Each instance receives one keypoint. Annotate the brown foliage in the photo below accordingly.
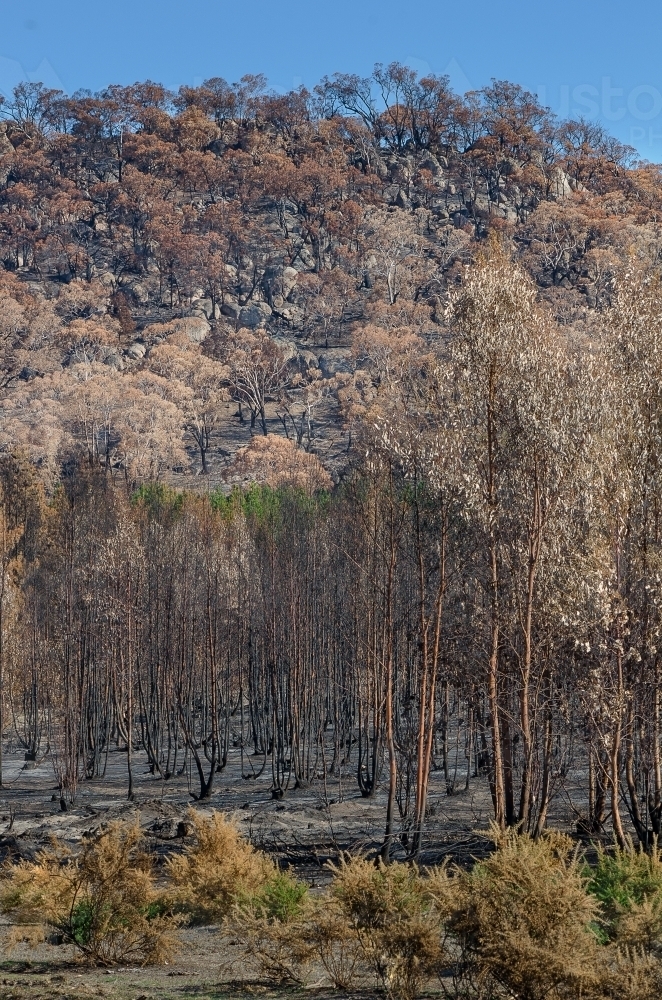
(526, 918)
(397, 918)
(275, 461)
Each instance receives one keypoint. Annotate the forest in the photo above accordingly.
(331, 444)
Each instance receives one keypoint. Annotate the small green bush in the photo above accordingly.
(274, 921)
(627, 883)
(158, 499)
(282, 899)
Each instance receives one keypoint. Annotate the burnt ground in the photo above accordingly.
(303, 831)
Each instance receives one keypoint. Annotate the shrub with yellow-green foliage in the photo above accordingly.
(398, 916)
(217, 871)
(525, 920)
(627, 882)
(375, 923)
(275, 924)
(102, 900)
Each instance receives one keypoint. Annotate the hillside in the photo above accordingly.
(183, 271)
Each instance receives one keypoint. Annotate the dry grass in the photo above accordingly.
(629, 974)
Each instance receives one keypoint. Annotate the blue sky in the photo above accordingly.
(599, 58)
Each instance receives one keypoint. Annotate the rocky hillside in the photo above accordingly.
(184, 272)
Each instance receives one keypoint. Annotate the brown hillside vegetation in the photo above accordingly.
(183, 270)
(483, 585)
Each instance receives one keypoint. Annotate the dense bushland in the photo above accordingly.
(529, 921)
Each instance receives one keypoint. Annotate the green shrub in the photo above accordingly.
(158, 498)
(628, 886)
(274, 922)
(267, 504)
(282, 899)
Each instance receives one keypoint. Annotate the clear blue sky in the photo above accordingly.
(602, 58)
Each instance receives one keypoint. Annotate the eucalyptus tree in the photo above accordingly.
(633, 511)
(10, 598)
(518, 403)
